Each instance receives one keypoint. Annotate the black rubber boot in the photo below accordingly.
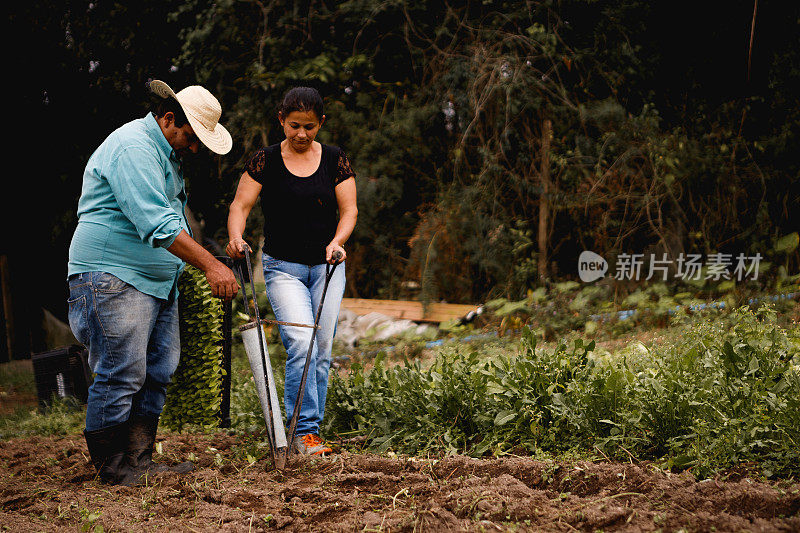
(141, 442)
(107, 448)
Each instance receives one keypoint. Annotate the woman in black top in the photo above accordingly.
(309, 204)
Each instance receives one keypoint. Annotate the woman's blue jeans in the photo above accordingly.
(294, 291)
(134, 346)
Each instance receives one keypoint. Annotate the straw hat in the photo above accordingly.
(203, 112)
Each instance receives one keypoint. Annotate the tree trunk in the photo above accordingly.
(544, 201)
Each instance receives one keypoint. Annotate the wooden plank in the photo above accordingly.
(407, 309)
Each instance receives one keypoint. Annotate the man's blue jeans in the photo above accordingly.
(294, 291)
(134, 346)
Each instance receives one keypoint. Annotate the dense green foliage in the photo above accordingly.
(442, 108)
(640, 126)
(725, 393)
(194, 396)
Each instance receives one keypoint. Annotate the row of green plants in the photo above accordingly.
(724, 393)
(612, 309)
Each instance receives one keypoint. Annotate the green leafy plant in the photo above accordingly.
(725, 393)
(194, 396)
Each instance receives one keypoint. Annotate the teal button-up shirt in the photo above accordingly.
(132, 207)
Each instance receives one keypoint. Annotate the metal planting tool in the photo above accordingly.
(257, 353)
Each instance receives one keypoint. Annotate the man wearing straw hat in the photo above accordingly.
(126, 255)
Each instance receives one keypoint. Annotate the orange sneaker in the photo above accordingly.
(310, 444)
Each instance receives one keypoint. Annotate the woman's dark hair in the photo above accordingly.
(166, 105)
(305, 99)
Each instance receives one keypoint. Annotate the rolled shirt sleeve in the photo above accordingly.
(140, 189)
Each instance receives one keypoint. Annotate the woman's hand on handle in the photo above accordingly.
(331, 255)
(236, 248)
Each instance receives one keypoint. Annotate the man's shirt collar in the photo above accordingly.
(154, 131)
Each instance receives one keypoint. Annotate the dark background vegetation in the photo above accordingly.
(674, 128)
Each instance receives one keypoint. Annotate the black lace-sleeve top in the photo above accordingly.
(300, 213)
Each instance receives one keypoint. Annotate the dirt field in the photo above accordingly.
(47, 484)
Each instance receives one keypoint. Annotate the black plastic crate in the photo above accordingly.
(61, 373)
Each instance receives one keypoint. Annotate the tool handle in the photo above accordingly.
(270, 428)
(298, 403)
(238, 270)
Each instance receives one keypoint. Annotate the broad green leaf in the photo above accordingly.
(503, 417)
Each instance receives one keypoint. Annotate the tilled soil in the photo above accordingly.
(47, 484)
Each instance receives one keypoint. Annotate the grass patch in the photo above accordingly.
(16, 377)
(62, 417)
